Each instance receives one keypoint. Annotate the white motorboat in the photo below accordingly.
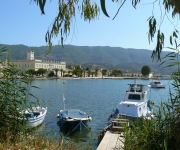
(35, 116)
(156, 84)
(135, 104)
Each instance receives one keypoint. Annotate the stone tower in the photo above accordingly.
(30, 55)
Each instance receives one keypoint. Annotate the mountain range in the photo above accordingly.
(125, 59)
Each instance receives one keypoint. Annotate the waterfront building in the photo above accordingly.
(32, 63)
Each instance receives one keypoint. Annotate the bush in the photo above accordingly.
(51, 74)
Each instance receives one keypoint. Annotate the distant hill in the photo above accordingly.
(94, 56)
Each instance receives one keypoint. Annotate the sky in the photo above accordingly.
(21, 22)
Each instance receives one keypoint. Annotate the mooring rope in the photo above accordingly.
(80, 129)
(85, 126)
(73, 129)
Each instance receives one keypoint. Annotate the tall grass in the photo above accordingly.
(14, 97)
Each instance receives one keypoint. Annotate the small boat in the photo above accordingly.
(35, 116)
(156, 84)
(72, 116)
(76, 77)
(134, 105)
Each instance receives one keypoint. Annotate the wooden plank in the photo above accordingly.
(105, 141)
(112, 142)
(109, 141)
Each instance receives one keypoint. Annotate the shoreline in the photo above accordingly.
(117, 78)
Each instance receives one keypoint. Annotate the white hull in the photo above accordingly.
(135, 104)
(37, 120)
(156, 84)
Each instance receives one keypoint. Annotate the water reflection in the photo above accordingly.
(77, 133)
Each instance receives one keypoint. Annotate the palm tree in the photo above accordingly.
(56, 71)
(64, 72)
(69, 72)
(61, 71)
(104, 71)
(96, 72)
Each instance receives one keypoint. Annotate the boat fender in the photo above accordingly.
(58, 115)
(89, 118)
(152, 102)
(143, 95)
(116, 111)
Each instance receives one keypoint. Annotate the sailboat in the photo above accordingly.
(72, 116)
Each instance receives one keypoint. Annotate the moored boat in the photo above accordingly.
(35, 116)
(72, 116)
(135, 104)
(156, 84)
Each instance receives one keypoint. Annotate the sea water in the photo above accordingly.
(97, 97)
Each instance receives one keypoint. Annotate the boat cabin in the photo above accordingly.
(135, 101)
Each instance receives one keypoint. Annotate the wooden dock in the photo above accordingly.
(111, 138)
(111, 141)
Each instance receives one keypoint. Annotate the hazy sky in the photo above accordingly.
(21, 22)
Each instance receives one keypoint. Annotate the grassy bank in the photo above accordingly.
(41, 143)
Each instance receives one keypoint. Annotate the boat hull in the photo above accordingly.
(73, 117)
(37, 120)
(133, 120)
(77, 123)
(157, 86)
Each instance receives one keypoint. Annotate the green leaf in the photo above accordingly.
(103, 7)
(171, 40)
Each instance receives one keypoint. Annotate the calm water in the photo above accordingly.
(97, 97)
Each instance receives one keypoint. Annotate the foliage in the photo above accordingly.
(42, 142)
(145, 70)
(41, 71)
(89, 10)
(116, 73)
(51, 74)
(112, 57)
(162, 131)
(104, 71)
(67, 11)
(56, 72)
(14, 97)
(96, 72)
(62, 72)
(77, 71)
(31, 72)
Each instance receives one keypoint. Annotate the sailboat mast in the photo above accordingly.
(64, 101)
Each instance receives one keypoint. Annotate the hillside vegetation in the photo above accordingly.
(97, 56)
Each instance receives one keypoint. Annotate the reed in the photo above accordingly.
(162, 131)
(14, 97)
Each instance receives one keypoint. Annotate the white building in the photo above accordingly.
(35, 64)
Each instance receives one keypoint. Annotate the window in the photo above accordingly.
(134, 96)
